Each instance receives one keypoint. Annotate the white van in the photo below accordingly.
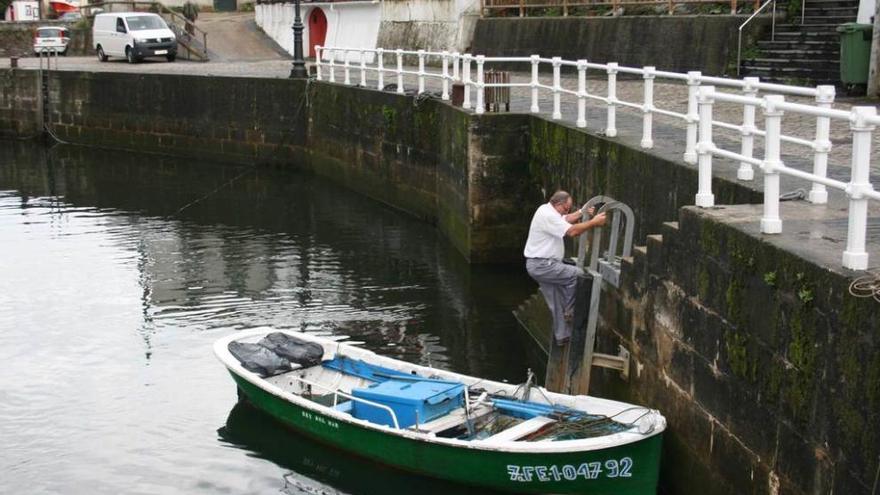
(133, 35)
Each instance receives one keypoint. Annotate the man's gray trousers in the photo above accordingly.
(558, 282)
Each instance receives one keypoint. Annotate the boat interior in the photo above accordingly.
(439, 403)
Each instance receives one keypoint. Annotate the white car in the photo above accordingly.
(133, 35)
(51, 40)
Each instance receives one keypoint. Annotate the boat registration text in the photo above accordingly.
(320, 419)
(612, 468)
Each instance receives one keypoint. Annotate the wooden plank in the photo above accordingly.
(455, 418)
(557, 367)
(521, 430)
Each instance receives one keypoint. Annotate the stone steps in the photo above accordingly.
(849, 12)
(807, 36)
(831, 4)
(802, 45)
(807, 52)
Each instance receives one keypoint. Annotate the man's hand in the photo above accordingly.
(579, 228)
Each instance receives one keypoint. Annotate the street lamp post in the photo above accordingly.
(298, 71)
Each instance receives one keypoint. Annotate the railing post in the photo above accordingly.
(822, 145)
(648, 108)
(693, 83)
(332, 65)
(445, 93)
(535, 61)
(400, 70)
(380, 68)
(855, 257)
(421, 54)
(346, 66)
(611, 125)
(363, 68)
(582, 93)
(481, 89)
(466, 79)
(770, 222)
(557, 85)
(747, 134)
(705, 99)
(456, 59)
(318, 49)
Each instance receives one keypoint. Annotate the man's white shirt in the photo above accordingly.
(546, 234)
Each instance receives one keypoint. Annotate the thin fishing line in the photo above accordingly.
(206, 196)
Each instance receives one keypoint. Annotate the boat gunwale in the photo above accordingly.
(512, 446)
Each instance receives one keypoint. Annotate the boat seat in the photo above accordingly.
(456, 417)
(521, 430)
(345, 407)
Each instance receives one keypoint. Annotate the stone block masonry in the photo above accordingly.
(767, 369)
(19, 103)
(231, 119)
(675, 43)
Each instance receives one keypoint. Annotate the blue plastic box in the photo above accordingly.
(427, 399)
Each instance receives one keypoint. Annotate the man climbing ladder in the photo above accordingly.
(544, 252)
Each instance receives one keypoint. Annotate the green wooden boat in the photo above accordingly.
(515, 438)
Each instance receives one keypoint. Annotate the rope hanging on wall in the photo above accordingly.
(867, 285)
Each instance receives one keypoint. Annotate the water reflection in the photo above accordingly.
(113, 293)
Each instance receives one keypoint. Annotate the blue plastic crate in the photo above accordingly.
(410, 400)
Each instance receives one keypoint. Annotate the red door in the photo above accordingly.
(317, 29)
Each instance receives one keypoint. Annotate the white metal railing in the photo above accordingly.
(361, 56)
(463, 65)
(862, 121)
(336, 393)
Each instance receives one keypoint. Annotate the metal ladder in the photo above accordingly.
(569, 365)
(46, 56)
(602, 267)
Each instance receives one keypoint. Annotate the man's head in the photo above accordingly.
(561, 201)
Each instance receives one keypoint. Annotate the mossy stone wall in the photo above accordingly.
(677, 43)
(19, 103)
(230, 119)
(767, 369)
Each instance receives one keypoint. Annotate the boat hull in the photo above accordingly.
(630, 469)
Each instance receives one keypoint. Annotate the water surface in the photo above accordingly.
(119, 270)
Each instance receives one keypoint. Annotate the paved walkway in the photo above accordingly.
(235, 37)
(825, 224)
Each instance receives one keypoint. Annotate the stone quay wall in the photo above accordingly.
(674, 43)
(19, 103)
(765, 367)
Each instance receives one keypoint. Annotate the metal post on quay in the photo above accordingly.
(298, 70)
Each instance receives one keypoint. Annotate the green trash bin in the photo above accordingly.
(855, 52)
